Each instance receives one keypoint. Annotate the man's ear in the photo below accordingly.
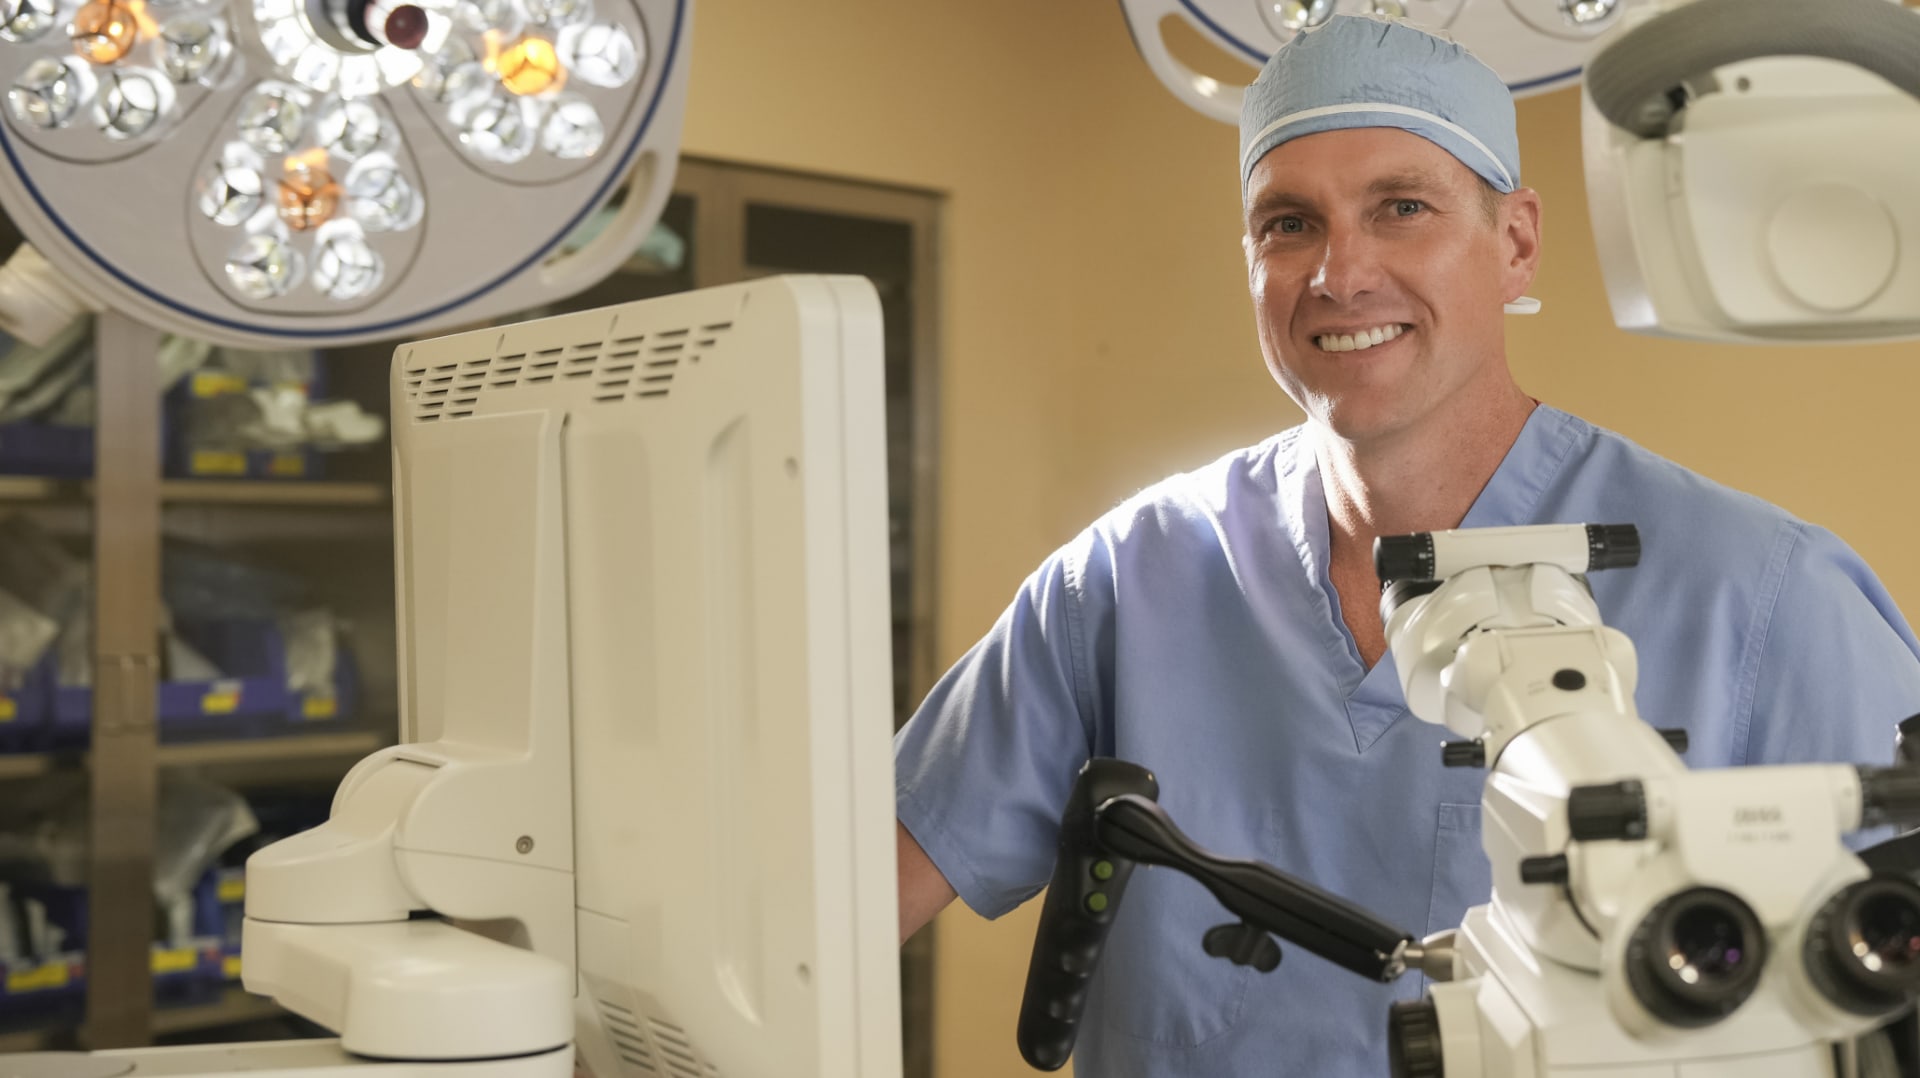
(1520, 231)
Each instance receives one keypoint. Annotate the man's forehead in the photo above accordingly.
(1355, 159)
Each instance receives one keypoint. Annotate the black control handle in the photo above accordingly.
(1082, 898)
(1260, 895)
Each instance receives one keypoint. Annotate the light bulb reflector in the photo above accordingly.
(453, 74)
(273, 117)
(284, 39)
(308, 193)
(559, 13)
(264, 266)
(191, 49)
(603, 54)
(573, 130)
(1587, 14)
(129, 102)
(349, 129)
(530, 67)
(317, 67)
(476, 17)
(46, 95)
(380, 197)
(230, 194)
(1292, 16)
(345, 266)
(498, 128)
(103, 31)
(26, 20)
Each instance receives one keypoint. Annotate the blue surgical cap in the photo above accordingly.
(1359, 71)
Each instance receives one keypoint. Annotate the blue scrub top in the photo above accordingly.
(1194, 630)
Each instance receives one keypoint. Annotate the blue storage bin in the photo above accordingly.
(190, 462)
(253, 703)
(25, 713)
(29, 447)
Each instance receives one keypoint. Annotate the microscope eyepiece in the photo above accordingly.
(1696, 957)
(1863, 947)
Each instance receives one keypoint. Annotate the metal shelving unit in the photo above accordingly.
(726, 223)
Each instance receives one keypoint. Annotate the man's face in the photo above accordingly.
(1377, 235)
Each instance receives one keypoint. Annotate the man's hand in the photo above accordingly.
(924, 892)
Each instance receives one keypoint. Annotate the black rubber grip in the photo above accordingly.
(1403, 557)
(1889, 795)
(1612, 546)
(1082, 898)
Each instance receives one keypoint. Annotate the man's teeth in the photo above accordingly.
(1354, 342)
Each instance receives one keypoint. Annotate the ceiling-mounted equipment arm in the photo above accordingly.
(1632, 79)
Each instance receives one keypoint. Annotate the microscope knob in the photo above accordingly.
(1413, 1040)
(1551, 868)
(1615, 810)
(1463, 754)
(1906, 741)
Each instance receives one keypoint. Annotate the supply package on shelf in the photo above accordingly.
(226, 413)
(43, 933)
(260, 415)
(244, 652)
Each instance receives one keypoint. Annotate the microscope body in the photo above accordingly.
(1646, 920)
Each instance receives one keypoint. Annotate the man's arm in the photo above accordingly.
(924, 892)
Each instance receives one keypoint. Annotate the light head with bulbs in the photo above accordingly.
(259, 171)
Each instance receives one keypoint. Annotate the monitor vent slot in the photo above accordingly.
(675, 1051)
(613, 371)
(629, 1042)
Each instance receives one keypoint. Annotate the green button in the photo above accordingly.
(1103, 870)
(1097, 902)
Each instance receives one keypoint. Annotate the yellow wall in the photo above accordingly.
(1096, 332)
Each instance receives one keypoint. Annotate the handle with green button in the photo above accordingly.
(1081, 901)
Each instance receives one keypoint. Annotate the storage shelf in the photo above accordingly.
(16, 488)
(234, 1006)
(215, 753)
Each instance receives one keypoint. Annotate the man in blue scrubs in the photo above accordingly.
(1221, 628)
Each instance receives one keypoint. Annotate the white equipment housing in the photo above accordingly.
(1581, 974)
(1773, 203)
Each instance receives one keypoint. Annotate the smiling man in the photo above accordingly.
(1221, 628)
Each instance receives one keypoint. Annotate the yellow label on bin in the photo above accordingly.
(287, 464)
(175, 959)
(8, 709)
(217, 462)
(222, 699)
(319, 707)
(233, 889)
(217, 384)
(39, 978)
(230, 967)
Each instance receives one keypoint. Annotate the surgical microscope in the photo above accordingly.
(1645, 919)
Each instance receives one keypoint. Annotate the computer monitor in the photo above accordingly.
(642, 561)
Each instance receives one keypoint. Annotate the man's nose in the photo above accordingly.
(1350, 266)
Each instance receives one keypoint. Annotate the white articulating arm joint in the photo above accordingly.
(474, 826)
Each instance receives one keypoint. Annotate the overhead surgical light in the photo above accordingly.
(249, 171)
(1534, 45)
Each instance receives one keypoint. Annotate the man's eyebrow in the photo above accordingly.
(1413, 180)
(1418, 181)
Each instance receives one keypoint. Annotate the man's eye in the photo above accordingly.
(1407, 207)
(1289, 224)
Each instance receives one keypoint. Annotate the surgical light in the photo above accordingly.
(309, 142)
(1534, 45)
